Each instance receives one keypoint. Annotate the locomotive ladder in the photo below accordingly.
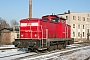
(42, 39)
(46, 36)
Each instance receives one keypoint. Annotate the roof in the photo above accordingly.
(63, 18)
(10, 29)
(29, 19)
(51, 15)
(72, 12)
(55, 16)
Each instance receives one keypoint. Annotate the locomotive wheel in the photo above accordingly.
(55, 47)
(51, 48)
(59, 47)
(64, 46)
(36, 50)
(17, 44)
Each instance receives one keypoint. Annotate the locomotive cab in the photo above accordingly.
(52, 18)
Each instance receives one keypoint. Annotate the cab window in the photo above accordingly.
(45, 18)
(54, 19)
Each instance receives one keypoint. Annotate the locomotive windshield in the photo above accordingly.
(54, 19)
(45, 18)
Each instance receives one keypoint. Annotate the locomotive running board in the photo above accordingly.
(42, 48)
(60, 39)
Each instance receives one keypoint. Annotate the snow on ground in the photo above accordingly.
(7, 51)
(81, 54)
(4, 49)
(79, 41)
(13, 54)
(73, 45)
(16, 56)
(7, 46)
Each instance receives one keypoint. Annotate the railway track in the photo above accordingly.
(32, 55)
(49, 55)
(75, 48)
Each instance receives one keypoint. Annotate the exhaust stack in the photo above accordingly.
(30, 8)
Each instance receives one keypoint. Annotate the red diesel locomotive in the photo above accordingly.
(48, 33)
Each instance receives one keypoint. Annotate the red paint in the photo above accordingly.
(44, 28)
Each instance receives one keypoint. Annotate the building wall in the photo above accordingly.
(0, 37)
(13, 36)
(7, 36)
(79, 19)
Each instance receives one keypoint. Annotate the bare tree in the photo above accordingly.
(14, 23)
(3, 24)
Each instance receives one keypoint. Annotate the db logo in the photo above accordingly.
(29, 24)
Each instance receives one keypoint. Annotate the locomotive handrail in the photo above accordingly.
(46, 36)
(42, 37)
(67, 31)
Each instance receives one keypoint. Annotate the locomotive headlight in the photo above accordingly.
(22, 35)
(35, 35)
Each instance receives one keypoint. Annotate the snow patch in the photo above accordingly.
(81, 54)
(7, 46)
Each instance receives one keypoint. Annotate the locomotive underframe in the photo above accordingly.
(43, 44)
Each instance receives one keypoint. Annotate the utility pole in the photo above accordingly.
(30, 8)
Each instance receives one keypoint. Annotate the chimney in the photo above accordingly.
(30, 8)
(68, 11)
(65, 13)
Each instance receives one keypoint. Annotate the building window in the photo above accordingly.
(74, 17)
(87, 30)
(17, 35)
(78, 26)
(78, 34)
(88, 20)
(83, 34)
(73, 25)
(87, 15)
(73, 34)
(79, 18)
(83, 18)
(83, 26)
(67, 17)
